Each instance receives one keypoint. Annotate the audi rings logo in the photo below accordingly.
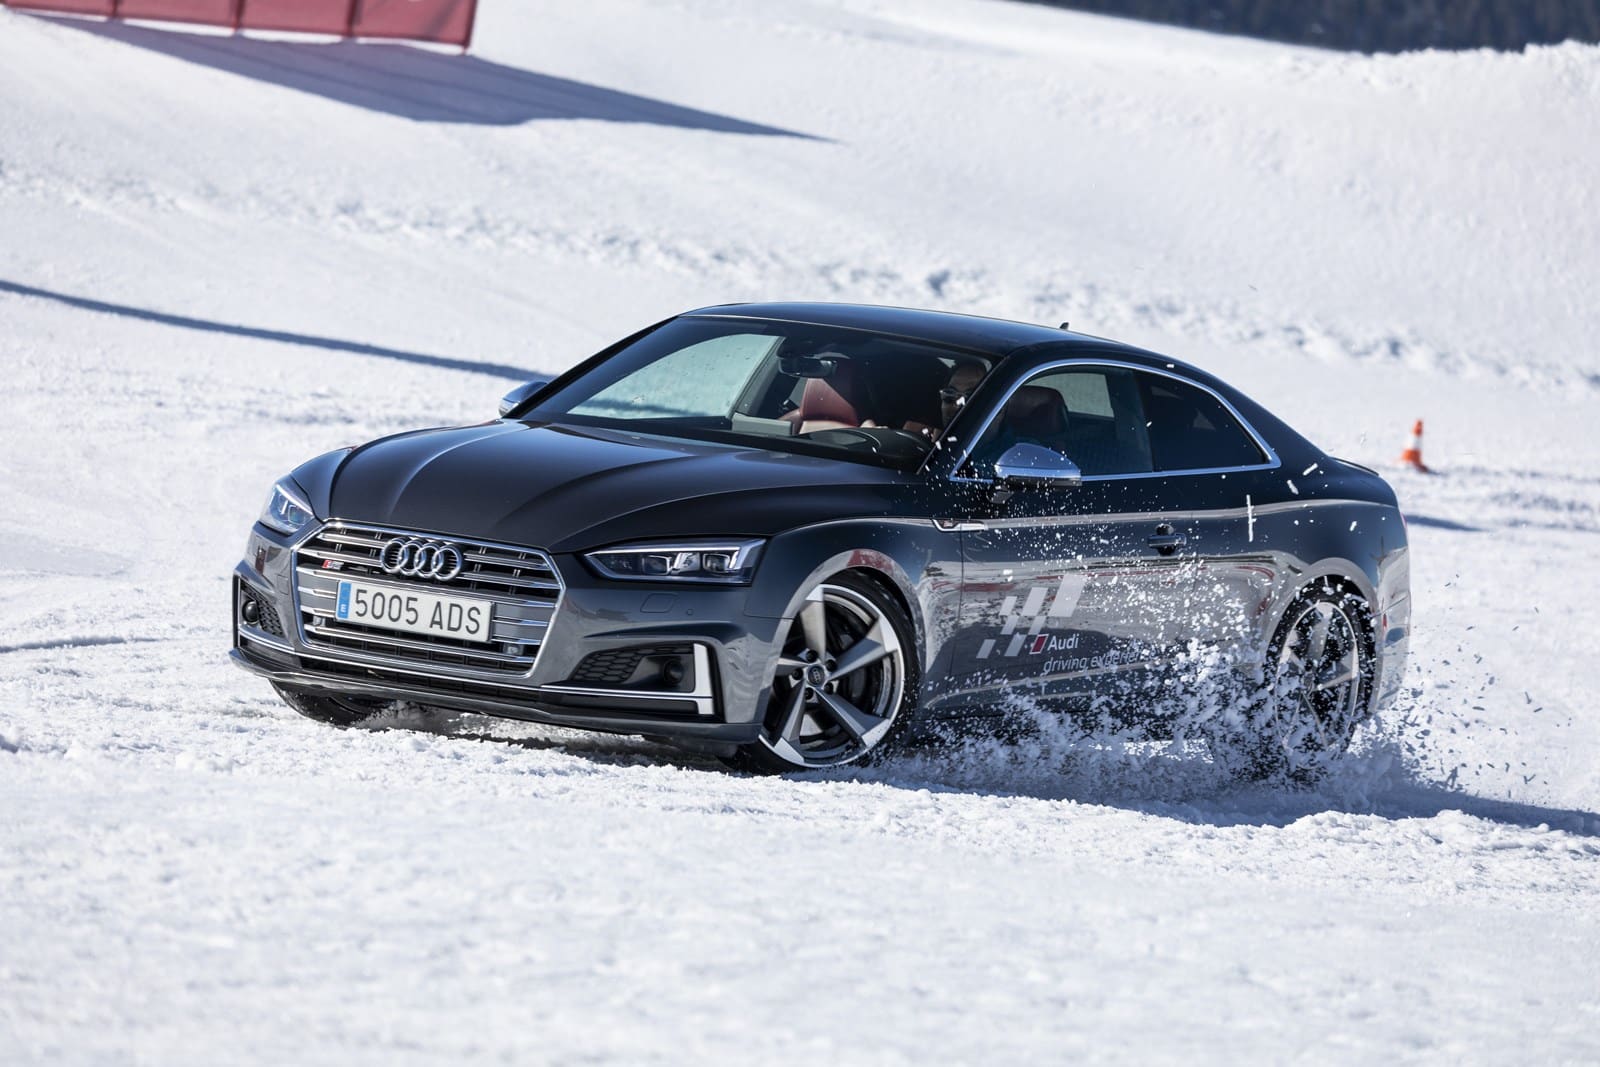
(421, 559)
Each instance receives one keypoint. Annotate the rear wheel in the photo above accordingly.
(332, 709)
(844, 683)
(1319, 673)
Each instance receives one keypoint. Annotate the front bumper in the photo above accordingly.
(731, 654)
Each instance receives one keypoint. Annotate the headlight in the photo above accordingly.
(724, 562)
(286, 510)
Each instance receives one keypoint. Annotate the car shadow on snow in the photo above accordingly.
(1180, 782)
(1154, 778)
(417, 83)
(1414, 519)
(598, 748)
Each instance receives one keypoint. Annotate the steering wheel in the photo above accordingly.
(862, 435)
(911, 435)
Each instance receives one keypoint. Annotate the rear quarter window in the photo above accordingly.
(1190, 429)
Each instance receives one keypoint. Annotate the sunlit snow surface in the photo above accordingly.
(215, 262)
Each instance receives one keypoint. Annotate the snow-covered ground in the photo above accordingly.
(218, 257)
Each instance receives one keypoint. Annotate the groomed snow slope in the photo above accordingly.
(218, 257)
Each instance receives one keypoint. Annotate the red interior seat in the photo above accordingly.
(832, 403)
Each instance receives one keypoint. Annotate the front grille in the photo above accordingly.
(521, 583)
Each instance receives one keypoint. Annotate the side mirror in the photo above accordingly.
(1026, 464)
(522, 393)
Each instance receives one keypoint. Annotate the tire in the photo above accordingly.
(1316, 688)
(845, 684)
(341, 711)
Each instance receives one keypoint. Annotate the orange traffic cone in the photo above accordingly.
(1412, 456)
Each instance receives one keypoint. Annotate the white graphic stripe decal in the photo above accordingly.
(1034, 611)
(1067, 594)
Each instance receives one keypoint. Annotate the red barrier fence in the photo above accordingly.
(444, 21)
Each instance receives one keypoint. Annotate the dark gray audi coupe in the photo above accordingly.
(791, 534)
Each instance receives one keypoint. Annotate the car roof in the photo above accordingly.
(974, 332)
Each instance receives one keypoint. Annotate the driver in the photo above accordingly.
(957, 391)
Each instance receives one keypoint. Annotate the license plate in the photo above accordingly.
(414, 612)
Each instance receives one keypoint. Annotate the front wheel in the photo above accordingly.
(1319, 675)
(844, 684)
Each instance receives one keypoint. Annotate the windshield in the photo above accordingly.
(779, 385)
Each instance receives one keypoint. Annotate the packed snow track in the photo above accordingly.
(216, 260)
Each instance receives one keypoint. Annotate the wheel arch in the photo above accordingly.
(1336, 570)
(1339, 574)
(901, 558)
(883, 572)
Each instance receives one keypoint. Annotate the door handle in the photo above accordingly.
(1165, 541)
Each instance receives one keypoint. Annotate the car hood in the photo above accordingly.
(567, 488)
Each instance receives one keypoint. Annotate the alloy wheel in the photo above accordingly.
(1319, 683)
(838, 683)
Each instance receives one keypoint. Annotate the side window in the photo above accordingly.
(1093, 416)
(1191, 430)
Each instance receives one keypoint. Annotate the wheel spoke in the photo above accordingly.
(791, 663)
(1329, 683)
(814, 624)
(861, 654)
(862, 726)
(1318, 641)
(793, 716)
(782, 747)
(876, 643)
